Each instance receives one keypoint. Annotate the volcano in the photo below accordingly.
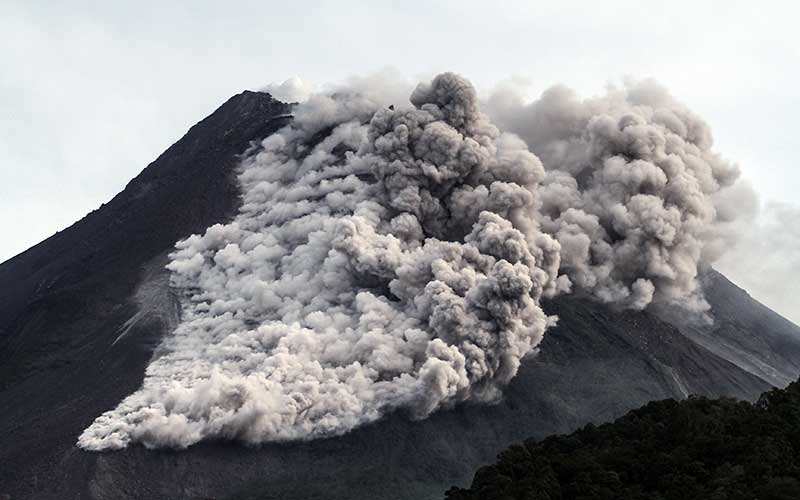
(84, 312)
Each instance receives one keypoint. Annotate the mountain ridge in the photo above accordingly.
(86, 309)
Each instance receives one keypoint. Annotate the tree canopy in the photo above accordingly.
(696, 449)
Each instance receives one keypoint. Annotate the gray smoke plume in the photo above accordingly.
(630, 189)
(392, 264)
(393, 259)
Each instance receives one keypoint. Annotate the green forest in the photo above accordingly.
(696, 449)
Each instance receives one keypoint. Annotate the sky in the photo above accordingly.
(91, 92)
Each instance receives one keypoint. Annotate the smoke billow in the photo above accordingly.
(291, 90)
(630, 189)
(382, 260)
(393, 258)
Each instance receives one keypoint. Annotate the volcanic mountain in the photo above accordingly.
(84, 312)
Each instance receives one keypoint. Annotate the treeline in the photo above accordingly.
(696, 449)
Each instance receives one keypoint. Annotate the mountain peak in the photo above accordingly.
(85, 310)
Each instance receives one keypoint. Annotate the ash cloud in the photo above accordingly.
(291, 90)
(393, 259)
(631, 189)
(353, 281)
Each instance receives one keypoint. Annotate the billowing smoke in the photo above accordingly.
(291, 90)
(392, 258)
(382, 260)
(630, 189)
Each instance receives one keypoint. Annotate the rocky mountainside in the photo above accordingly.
(83, 312)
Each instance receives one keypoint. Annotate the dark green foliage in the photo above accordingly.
(697, 449)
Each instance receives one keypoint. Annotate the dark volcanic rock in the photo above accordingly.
(65, 301)
(748, 333)
(82, 312)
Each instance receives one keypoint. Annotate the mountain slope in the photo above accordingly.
(82, 313)
(748, 333)
(66, 300)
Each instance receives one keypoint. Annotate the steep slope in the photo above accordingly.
(65, 302)
(82, 313)
(748, 333)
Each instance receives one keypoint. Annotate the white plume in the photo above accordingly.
(391, 265)
(630, 189)
(392, 259)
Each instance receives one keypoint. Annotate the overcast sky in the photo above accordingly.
(91, 92)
